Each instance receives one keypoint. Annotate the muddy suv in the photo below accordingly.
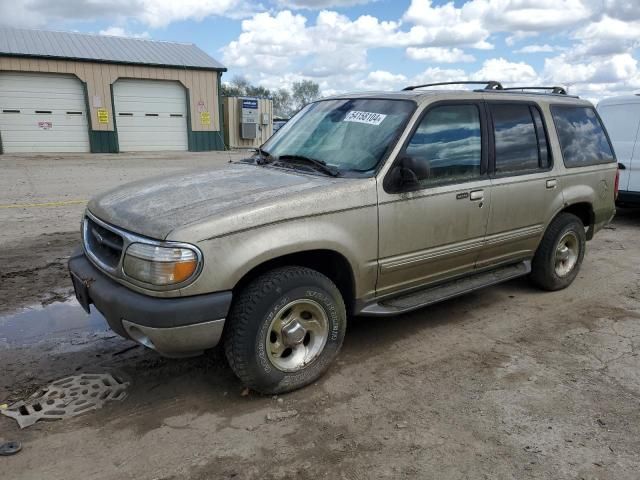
(369, 204)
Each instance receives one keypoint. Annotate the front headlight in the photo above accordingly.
(160, 265)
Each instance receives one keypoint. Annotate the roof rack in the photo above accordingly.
(556, 90)
(489, 85)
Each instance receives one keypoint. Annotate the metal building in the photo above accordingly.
(72, 92)
(248, 121)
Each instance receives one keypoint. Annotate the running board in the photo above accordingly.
(444, 291)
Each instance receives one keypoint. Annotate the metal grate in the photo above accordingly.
(103, 244)
(249, 130)
(68, 397)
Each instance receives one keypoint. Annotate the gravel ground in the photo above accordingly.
(507, 382)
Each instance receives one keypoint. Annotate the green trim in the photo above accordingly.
(103, 141)
(189, 129)
(100, 141)
(115, 124)
(88, 109)
(220, 113)
(205, 141)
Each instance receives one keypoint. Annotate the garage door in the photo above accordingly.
(42, 113)
(151, 115)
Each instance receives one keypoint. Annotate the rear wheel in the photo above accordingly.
(559, 256)
(284, 329)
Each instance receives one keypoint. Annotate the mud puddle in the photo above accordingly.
(57, 320)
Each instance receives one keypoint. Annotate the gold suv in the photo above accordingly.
(364, 204)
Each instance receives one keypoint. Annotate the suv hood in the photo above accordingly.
(157, 206)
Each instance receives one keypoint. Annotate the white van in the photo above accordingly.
(621, 116)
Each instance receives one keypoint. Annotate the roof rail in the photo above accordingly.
(489, 84)
(557, 90)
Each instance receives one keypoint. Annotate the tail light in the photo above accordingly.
(616, 184)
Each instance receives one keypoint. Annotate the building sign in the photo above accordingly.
(251, 103)
(103, 115)
(205, 118)
(249, 113)
(45, 125)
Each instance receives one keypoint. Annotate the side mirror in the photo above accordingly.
(408, 172)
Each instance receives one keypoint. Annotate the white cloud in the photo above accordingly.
(536, 49)
(159, 13)
(437, 74)
(497, 69)
(617, 68)
(622, 9)
(505, 71)
(318, 4)
(154, 13)
(382, 80)
(262, 46)
(439, 55)
(591, 45)
(443, 25)
(121, 32)
(511, 16)
(528, 15)
(608, 36)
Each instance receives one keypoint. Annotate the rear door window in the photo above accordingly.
(520, 139)
(582, 138)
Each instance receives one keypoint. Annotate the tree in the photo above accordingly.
(282, 103)
(303, 92)
(237, 87)
(285, 102)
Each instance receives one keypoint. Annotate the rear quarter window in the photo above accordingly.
(583, 140)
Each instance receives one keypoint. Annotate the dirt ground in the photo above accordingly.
(503, 383)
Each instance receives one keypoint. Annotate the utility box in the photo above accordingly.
(249, 118)
(248, 121)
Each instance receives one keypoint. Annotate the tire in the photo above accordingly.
(270, 315)
(552, 267)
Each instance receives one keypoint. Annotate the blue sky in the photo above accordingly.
(589, 45)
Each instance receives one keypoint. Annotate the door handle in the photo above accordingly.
(552, 183)
(476, 195)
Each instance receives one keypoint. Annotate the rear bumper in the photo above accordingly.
(626, 197)
(174, 327)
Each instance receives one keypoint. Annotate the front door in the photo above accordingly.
(433, 228)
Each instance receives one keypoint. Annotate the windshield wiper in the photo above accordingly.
(260, 157)
(318, 164)
(264, 157)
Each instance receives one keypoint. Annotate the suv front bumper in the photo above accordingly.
(174, 327)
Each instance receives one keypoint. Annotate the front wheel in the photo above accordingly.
(284, 329)
(559, 256)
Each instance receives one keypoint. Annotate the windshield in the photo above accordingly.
(351, 134)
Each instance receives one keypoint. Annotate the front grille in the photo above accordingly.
(103, 244)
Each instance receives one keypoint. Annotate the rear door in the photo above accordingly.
(622, 122)
(524, 191)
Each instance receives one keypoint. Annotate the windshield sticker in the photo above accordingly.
(369, 118)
